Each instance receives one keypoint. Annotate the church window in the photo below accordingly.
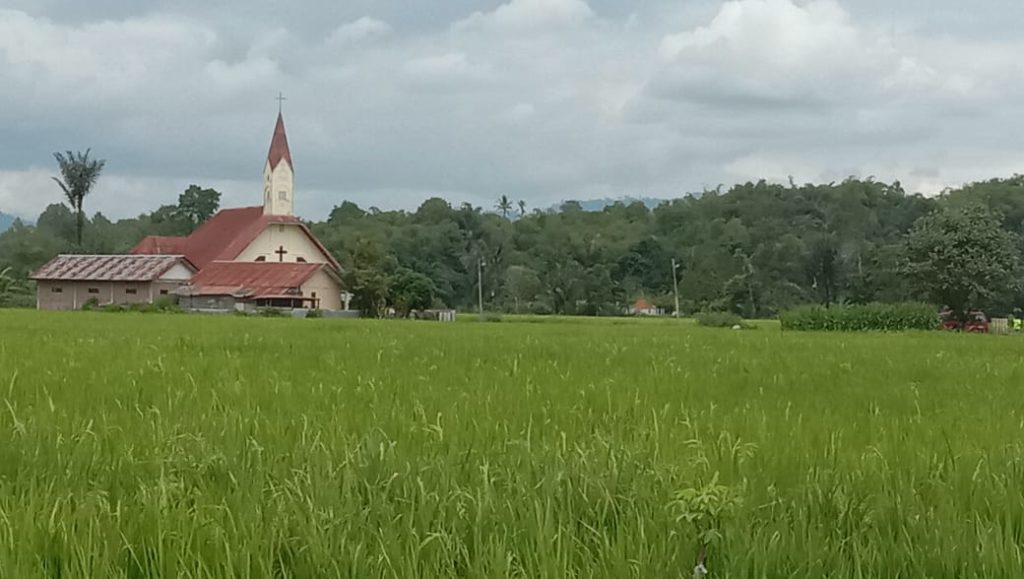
(163, 292)
(261, 258)
(282, 195)
(57, 290)
(300, 260)
(131, 291)
(94, 290)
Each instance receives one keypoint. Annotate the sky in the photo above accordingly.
(390, 102)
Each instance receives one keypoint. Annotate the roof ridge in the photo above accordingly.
(133, 255)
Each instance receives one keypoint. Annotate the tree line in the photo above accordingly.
(756, 249)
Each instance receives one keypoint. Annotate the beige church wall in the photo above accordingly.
(290, 237)
(327, 290)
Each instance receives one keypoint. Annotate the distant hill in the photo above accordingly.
(5, 221)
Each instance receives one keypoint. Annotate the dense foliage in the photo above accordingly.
(861, 318)
(963, 257)
(755, 250)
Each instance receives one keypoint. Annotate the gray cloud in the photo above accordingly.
(391, 102)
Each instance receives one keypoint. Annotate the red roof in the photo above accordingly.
(279, 146)
(161, 245)
(228, 233)
(135, 268)
(643, 304)
(249, 279)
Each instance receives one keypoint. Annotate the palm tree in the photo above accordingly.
(78, 175)
(522, 208)
(8, 285)
(504, 205)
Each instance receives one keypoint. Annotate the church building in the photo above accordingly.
(241, 258)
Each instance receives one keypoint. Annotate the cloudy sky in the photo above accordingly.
(392, 101)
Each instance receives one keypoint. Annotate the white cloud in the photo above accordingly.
(27, 192)
(783, 52)
(529, 15)
(540, 99)
(97, 60)
(453, 67)
(362, 29)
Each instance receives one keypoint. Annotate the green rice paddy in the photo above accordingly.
(180, 446)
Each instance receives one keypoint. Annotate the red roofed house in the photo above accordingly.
(250, 256)
(642, 307)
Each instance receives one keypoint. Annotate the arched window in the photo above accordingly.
(300, 260)
(261, 258)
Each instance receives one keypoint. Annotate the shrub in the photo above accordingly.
(861, 318)
(720, 320)
(314, 314)
(491, 317)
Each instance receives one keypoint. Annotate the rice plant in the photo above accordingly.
(178, 446)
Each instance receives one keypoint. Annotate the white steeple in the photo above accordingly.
(278, 175)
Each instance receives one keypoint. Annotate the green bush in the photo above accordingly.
(861, 318)
(719, 320)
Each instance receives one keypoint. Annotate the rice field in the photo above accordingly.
(176, 446)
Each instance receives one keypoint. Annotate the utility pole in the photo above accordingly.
(480, 284)
(675, 286)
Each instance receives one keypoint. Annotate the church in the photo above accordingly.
(243, 258)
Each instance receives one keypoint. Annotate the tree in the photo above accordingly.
(522, 208)
(59, 221)
(504, 206)
(962, 258)
(824, 270)
(522, 285)
(8, 286)
(411, 290)
(368, 278)
(78, 175)
(196, 204)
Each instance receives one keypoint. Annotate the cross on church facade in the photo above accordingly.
(280, 101)
(281, 252)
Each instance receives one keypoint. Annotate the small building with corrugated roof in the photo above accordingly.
(69, 282)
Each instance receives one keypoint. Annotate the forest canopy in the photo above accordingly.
(756, 249)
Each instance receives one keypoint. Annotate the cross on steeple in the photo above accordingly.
(281, 252)
(280, 101)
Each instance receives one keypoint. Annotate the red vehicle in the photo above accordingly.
(977, 322)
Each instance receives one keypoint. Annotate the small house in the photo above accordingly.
(68, 282)
(642, 307)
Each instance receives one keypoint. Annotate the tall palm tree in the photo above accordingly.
(522, 208)
(504, 205)
(78, 175)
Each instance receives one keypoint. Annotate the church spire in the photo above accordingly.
(278, 173)
(279, 145)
